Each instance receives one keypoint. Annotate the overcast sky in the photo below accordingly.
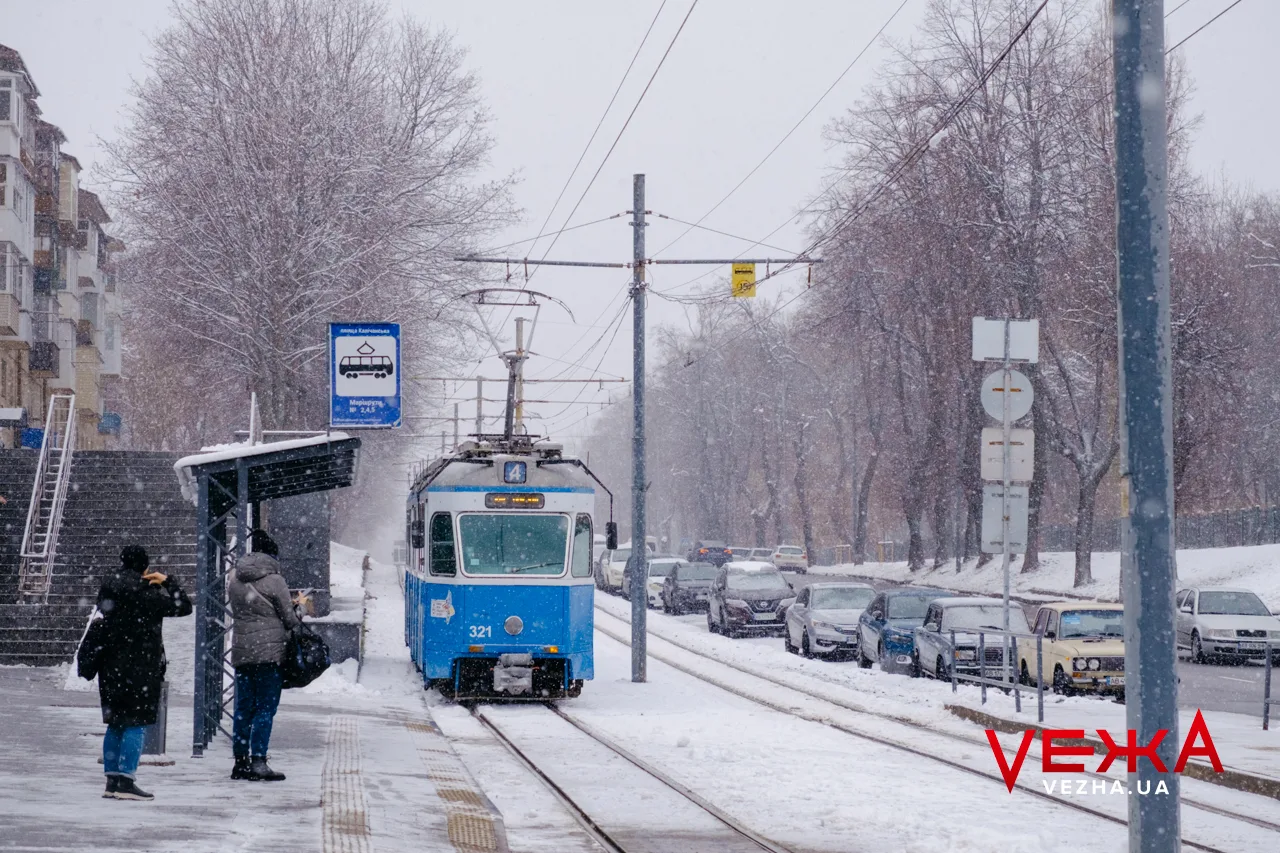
(740, 75)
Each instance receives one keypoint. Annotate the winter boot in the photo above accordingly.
(243, 770)
(126, 789)
(262, 771)
(113, 785)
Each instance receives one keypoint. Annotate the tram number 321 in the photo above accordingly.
(481, 631)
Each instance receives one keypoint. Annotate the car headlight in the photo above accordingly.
(965, 654)
(817, 623)
(1275, 635)
(1222, 633)
(1094, 663)
(1079, 663)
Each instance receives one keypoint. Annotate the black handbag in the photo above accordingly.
(93, 649)
(306, 656)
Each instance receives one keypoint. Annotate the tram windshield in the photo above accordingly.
(502, 544)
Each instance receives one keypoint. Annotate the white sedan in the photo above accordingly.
(1228, 624)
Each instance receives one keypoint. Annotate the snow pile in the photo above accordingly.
(340, 678)
(1253, 567)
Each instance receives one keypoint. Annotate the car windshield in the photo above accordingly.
(757, 581)
(620, 556)
(494, 544)
(1232, 604)
(983, 616)
(909, 606)
(698, 571)
(842, 598)
(661, 570)
(1092, 623)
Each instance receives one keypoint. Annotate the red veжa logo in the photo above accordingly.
(1197, 742)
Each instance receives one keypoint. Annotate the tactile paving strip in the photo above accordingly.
(346, 818)
(475, 825)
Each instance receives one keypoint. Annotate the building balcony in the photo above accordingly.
(10, 314)
(43, 359)
(46, 204)
(86, 282)
(84, 339)
(67, 232)
(44, 259)
(88, 396)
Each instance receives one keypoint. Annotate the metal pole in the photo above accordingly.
(1266, 691)
(479, 407)
(455, 424)
(1142, 243)
(205, 552)
(519, 373)
(1007, 426)
(639, 548)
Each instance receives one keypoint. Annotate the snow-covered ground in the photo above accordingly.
(1254, 567)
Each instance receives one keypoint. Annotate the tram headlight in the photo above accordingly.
(514, 625)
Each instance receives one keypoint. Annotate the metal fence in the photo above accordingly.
(1259, 525)
(1007, 673)
(1267, 701)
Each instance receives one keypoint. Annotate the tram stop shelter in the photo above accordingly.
(228, 485)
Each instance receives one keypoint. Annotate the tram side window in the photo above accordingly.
(582, 540)
(443, 559)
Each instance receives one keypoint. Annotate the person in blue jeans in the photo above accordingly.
(134, 601)
(263, 616)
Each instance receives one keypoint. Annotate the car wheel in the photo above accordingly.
(884, 664)
(666, 607)
(806, 649)
(915, 665)
(940, 670)
(1197, 650)
(711, 625)
(1062, 684)
(786, 640)
(1024, 676)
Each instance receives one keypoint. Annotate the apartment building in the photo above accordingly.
(59, 296)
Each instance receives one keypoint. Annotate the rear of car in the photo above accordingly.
(791, 558)
(713, 552)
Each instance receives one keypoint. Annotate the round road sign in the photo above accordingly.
(1020, 395)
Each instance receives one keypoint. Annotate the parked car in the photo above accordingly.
(761, 555)
(659, 569)
(824, 619)
(687, 587)
(933, 653)
(1082, 647)
(613, 565)
(791, 558)
(886, 629)
(710, 551)
(741, 553)
(748, 598)
(1227, 624)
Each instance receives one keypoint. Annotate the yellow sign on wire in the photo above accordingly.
(744, 281)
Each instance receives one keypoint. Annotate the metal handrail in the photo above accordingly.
(59, 438)
(1267, 700)
(1009, 665)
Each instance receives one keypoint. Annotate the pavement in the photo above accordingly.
(368, 770)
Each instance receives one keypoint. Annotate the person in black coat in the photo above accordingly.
(134, 601)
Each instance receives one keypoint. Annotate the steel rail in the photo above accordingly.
(588, 823)
(1263, 824)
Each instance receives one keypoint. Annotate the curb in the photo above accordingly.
(1237, 780)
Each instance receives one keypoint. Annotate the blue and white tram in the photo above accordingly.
(498, 592)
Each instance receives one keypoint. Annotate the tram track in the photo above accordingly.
(623, 638)
(736, 837)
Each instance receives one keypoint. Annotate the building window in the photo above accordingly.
(89, 308)
(110, 337)
(4, 183)
(6, 99)
(8, 268)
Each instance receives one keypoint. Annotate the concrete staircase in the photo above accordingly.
(116, 498)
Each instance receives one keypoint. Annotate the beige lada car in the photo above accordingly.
(1083, 647)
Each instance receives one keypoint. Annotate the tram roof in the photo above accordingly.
(475, 463)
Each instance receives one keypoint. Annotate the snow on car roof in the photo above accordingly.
(841, 585)
(752, 566)
(973, 601)
(1222, 589)
(1083, 605)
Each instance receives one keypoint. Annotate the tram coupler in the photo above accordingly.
(514, 674)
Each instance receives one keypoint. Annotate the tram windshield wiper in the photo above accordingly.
(517, 569)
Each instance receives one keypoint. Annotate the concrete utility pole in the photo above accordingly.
(519, 373)
(479, 407)
(1142, 243)
(639, 562)
(639, 547)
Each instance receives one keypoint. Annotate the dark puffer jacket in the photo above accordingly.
(262, 611)
(133, 659)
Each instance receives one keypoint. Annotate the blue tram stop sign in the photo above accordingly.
(364, 375)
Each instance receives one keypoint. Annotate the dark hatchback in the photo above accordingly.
(687, 588)
(715, 553)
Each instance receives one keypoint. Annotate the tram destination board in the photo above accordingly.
(515, 500)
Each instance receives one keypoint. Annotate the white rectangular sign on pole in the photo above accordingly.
(992, 518)
(988, 340)
(1022, 448)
